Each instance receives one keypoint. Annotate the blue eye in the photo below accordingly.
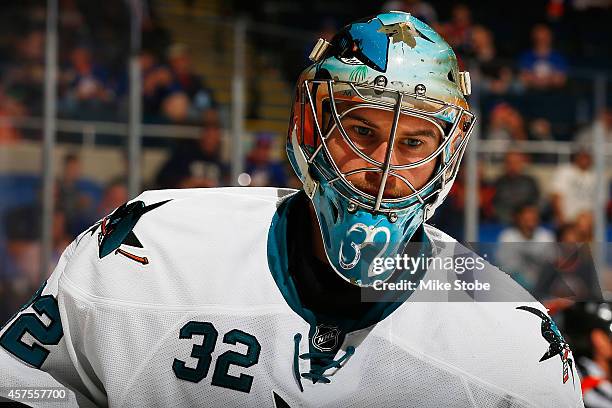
(412, 142)
(362, 131)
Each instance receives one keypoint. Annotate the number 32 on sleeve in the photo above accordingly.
(45, 334)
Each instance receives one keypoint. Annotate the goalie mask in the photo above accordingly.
(377, 131)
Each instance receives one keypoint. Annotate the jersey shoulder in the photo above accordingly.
(510, 350)
(502, 339)
(176, 247)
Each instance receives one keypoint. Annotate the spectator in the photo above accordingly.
(458, 32)
(156, 85)
(195, 163)
(514, 188)
(586, 136)
(9, 109)
(542, 67)
(540, 129)
(573, 188)
(22, 264)
(115, 194)
(506, 123)
(88, 91)
(507, 126)
(587, 326)
(71, 20)
(523, 251)
(177, 93)
(73, 197)
(584, 226)
(186, 80)
(495, 75)
(176, 108)
(572, 273)
(23, 79)
(263, 170)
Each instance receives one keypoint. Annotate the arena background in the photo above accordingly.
(102, 100)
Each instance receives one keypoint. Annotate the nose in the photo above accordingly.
(379, 153)
(373, 180)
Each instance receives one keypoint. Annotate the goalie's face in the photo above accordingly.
(371, 131)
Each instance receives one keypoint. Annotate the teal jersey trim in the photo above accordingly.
(278, 264)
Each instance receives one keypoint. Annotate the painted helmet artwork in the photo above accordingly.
(395, 64)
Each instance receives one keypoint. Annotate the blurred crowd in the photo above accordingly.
(93, 80)
(537, 227)
(535, 83)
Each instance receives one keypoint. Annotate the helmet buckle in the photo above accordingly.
(465, 83)
(318, 50)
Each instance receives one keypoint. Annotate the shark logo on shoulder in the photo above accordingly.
(557, 344)
(117, 229)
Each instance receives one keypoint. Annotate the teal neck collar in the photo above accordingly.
(278, 262)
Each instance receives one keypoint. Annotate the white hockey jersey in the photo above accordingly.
(178, 307)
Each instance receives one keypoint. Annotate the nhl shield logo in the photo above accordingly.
(325, 337)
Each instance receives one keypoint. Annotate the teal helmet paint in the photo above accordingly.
(396, 64)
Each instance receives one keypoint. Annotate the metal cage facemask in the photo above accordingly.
(337, 100)
(358, 226)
